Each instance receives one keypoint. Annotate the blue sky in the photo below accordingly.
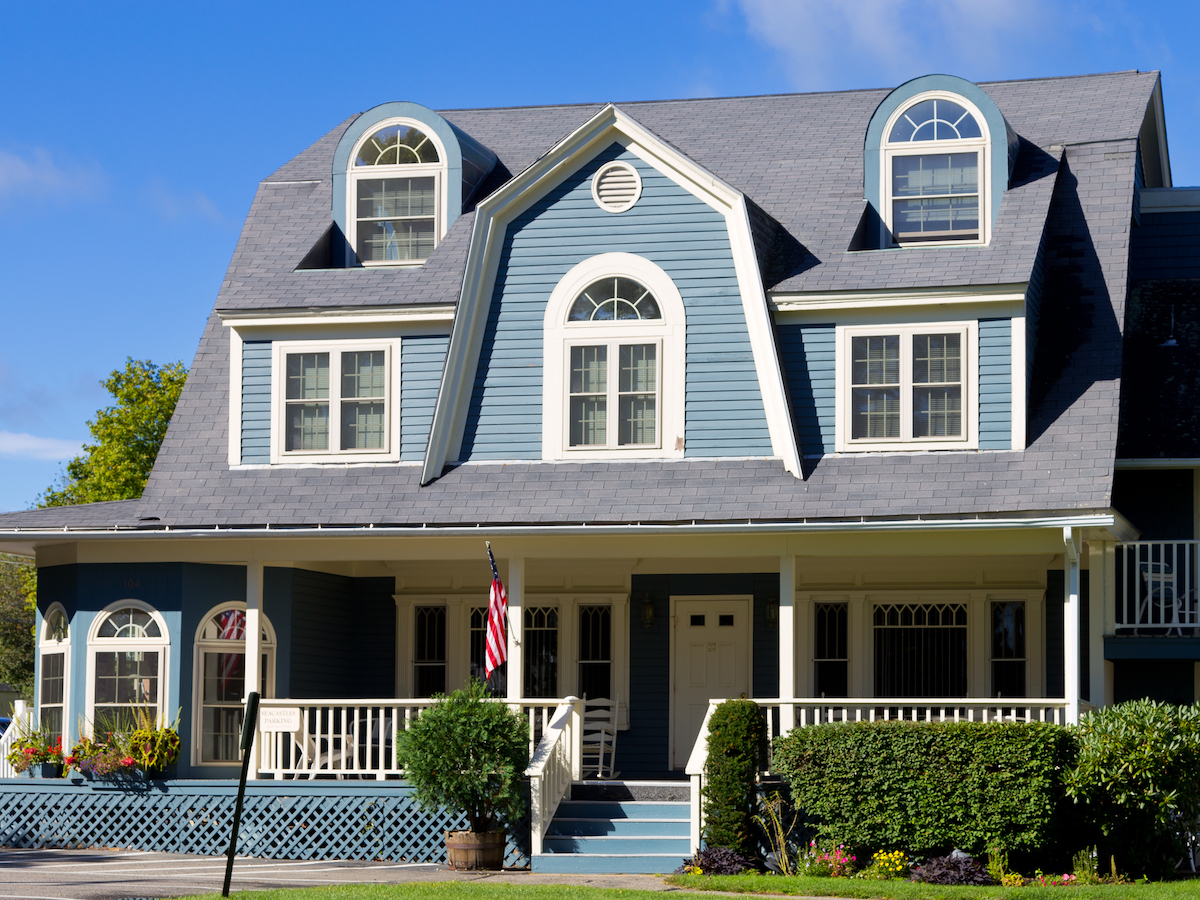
(133, 135)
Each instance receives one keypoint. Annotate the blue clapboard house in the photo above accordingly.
(872, 404)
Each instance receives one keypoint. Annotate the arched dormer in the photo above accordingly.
(937, 158)
(401, 175)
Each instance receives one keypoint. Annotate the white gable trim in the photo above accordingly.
(491, 220)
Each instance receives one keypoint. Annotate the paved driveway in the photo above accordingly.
(116, 874)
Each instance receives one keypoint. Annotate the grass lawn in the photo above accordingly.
(905, 890)
(450, 890)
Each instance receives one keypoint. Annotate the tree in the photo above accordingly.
(127, 436)
(18, 597)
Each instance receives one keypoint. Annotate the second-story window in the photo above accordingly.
(395, 194)
(336, 400)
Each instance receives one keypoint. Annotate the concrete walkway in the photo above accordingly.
(118, 874)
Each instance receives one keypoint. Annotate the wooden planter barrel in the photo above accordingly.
(469, 850)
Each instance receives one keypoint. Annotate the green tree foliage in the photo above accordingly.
(127, 436)
(468, 753)
(1139, 780)
(929, 787)
(736, 743)
(18, 598)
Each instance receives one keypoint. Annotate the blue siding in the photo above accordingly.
(672, 228)
(256, 402)
(808, 354)
(995, 384)
(421, 362)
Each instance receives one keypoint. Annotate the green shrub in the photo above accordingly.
(1138, 778)
(469, 754)
(932, 787)
(736, 750)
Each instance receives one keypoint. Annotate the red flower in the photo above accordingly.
(127, 762)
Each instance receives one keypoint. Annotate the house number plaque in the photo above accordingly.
(279, 718)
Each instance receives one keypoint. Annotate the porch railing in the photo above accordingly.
(1157, 588)
(22, 718)
(555, 764)
(783, 715)
(352, 738)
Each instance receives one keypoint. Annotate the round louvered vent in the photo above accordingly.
(616, 187)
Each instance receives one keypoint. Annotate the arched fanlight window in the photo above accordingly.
(614, 299)
(935, 173)
(53, 652)
(220, 653)
(127, 667)
(395, 196)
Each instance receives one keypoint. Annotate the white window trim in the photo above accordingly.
(980, 145)
(279, 354)
(559, 335)
(160, 645)
(458, 639)
(969, 441)
(411, 170)
(47, 644)
(200, 646)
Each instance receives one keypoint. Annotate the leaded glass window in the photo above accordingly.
(595, 652)
(831, 661)
(429, 657)
(541, 651)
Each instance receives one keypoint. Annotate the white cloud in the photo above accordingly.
(37, 174)
(173, 206)
(877, 43)
(29, 446)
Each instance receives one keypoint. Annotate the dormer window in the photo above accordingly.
(396, 195)
(935, 173)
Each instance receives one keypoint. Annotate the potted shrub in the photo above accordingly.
(468, 753)
(153, 748)
(38, 754)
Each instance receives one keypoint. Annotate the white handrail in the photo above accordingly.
(555, 764)
(355, 738)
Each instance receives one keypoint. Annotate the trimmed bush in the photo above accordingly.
(736, 750)
(931, 787)
(1138, 779)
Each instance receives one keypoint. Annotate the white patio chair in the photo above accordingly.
(599, 738)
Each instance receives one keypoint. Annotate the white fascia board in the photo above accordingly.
(442, 312)
(491, 220)
(800, 302)
(235, 397)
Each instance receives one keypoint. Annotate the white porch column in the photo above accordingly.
(787, 641)
(516, 621)
(254, 594)
(1071, 624)
(1102, 604)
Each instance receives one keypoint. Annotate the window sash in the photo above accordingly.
(395, 217)
(595, 652)
(221, 690)
(429, 651)
(336, 401)
(935, 196)
(634, 390)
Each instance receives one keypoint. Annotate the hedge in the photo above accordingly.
(736, 750)
(927, 788)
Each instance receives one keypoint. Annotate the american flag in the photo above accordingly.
(232, 623)
(497, 646)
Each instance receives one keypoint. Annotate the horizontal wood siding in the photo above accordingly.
(672, 228)
(256, 402)
(995, 384)
(808, 354)
(421, 362)
(323, 634)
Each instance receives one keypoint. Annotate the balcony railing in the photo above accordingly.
(1157, 589)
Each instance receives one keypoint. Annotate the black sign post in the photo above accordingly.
(248, 727)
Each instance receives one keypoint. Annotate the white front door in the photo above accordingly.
(711, 638)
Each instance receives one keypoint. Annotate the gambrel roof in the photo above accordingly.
(1064, 222)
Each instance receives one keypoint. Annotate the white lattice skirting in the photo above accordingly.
(281, 820)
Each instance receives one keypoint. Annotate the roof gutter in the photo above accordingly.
(1112, 521)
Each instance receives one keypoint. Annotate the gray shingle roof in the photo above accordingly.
(799, 158)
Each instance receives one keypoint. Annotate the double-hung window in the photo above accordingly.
(52, 675)
(934, 173)
(908, 385)
(395, 195)
(336, 402)
(127, 667)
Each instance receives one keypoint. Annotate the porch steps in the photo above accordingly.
(619, 827)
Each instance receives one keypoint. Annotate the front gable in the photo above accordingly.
(544, 224)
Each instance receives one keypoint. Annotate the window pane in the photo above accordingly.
(638, 411)
(391, 198)
(364, 374)
(937, 358)
(920, 650)
(595, 652)
(937, 174)
(50, 720)
(224, 677)
(395, 240)
(937, 412)
(396, 145)
(876, 413)
(541, 652)
(498, 683)
(589, 412)
(429, 652)
(833, 679)
(934, 219)
(1008, 678)
(130, 622)
(876, 359)
(364, 426)
(125, 682)
(307, 376)
(53, 666)
(221, 734)
(589, 370)
(1008, 630)
(639, 367)
(614, 298)
(308, 426)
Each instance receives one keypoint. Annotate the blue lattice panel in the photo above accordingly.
(280, 820)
